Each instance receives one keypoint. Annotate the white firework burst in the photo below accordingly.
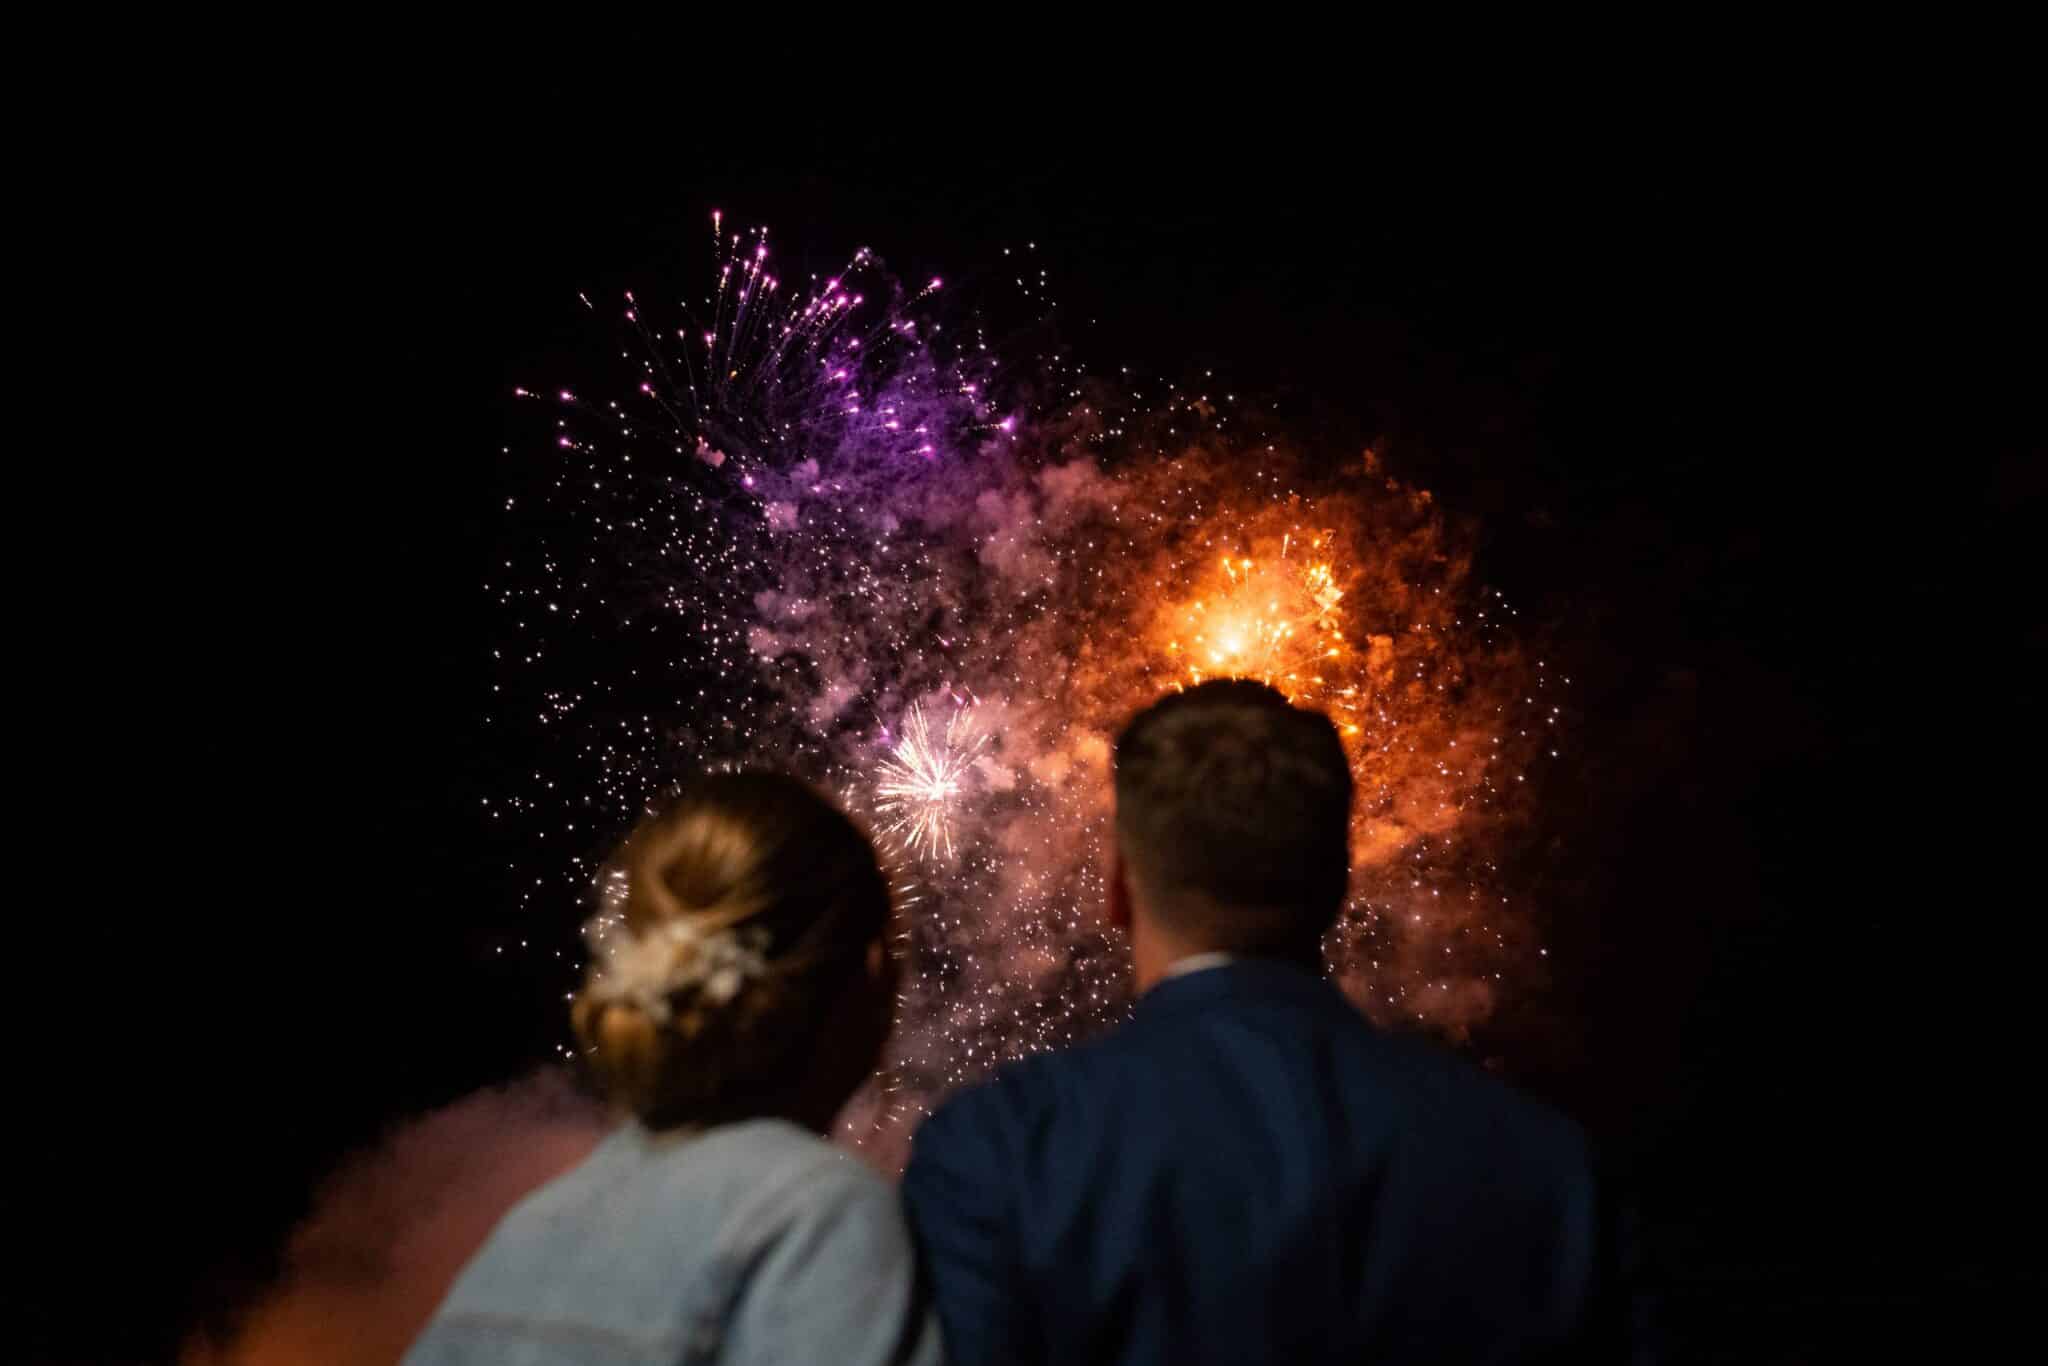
(919, 781)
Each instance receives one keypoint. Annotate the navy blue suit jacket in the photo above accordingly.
(1249, 1171)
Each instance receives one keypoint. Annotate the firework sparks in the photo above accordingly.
(916, 786)
(1275, 621)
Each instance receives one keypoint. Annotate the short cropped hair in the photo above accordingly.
(1233, 811)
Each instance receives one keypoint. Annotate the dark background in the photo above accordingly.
(1744, 435)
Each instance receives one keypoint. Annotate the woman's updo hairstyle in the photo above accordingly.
(775, 895)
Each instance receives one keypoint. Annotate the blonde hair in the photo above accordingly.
(766, 867)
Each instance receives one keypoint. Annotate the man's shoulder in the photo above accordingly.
(1431, 1073)
(1015, 1087)
(1023, 1094)
(1160, 1064)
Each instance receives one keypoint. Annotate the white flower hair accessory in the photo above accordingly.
(645, 970)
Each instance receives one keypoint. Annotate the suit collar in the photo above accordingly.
(1239, 979)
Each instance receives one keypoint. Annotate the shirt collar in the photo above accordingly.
(1196, 962)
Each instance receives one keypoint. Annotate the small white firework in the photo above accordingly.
(922, 776)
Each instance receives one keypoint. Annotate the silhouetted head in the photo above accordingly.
(1233, 818)
(739, 958)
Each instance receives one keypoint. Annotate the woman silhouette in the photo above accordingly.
(739, 992)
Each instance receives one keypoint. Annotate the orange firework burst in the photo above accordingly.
(1373, 623)
(1271, 619)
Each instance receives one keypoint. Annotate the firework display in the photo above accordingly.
(850, 528)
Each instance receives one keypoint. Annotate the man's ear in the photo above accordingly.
(1119, 890)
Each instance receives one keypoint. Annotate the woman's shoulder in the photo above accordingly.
(741, 1191)
(769, 1148)
(658, 1235)
(724, 1193)
(764, 1172)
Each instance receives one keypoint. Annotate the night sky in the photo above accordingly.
(1744, 445)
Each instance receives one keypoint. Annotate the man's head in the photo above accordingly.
(1233, 818)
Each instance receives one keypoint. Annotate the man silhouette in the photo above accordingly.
(1247, 1170)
